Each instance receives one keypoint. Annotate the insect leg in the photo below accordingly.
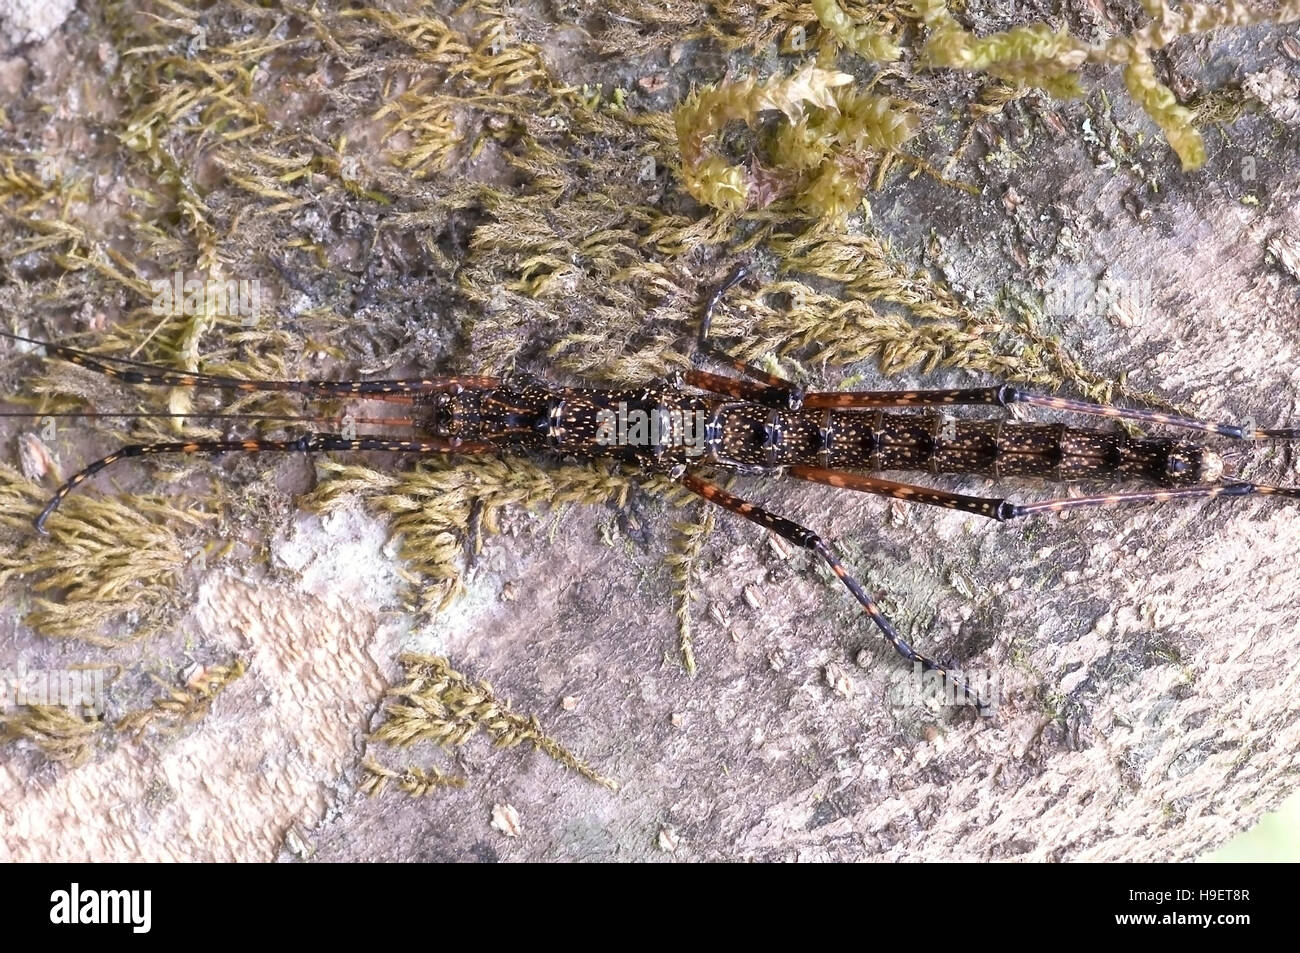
(1209, 492)
(138, 372)
(785, 397)
(1235, 431)
(1003, 510)
(805, 538)
(305, 444)
(991, 507)
(1004, 395)
(762, 387)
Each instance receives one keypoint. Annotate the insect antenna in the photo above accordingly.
(139, 372)
(161, 415)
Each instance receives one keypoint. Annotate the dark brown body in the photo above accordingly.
(680, 430)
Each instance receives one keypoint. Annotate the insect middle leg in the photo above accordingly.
(805, 538)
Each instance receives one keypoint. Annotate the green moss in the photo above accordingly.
(1038, 55)
(875, 41)
(434, 702)
(60, 734)
(818, 163)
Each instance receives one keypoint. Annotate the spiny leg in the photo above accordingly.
(1212, 491)
(1234, 431)
(762, 387)
(308, 443)
(137, 372)
(1002, 509)
(1004, 395)
(785, 397)
(992, 507)
(805, 538)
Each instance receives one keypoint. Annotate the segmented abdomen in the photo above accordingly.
(750, 435)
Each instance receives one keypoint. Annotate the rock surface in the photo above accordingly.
(1146, 658)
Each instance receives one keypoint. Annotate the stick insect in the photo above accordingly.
(748, 422)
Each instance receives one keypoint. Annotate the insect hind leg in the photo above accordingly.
(1005, 395)
(806, 539)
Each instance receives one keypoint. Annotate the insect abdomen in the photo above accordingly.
(752, 435)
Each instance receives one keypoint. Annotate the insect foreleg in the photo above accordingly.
(762, 387)
(308, 443)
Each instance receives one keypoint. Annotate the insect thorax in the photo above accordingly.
(654, 427)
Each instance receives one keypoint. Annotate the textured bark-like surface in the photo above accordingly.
(1150, 700)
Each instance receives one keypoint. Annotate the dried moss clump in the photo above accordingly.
(437, 703)
(106, 560)
(691, 538)
(61, 734)
(186, 705)
(821, 159)
(1158, 101)
(412, 780)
